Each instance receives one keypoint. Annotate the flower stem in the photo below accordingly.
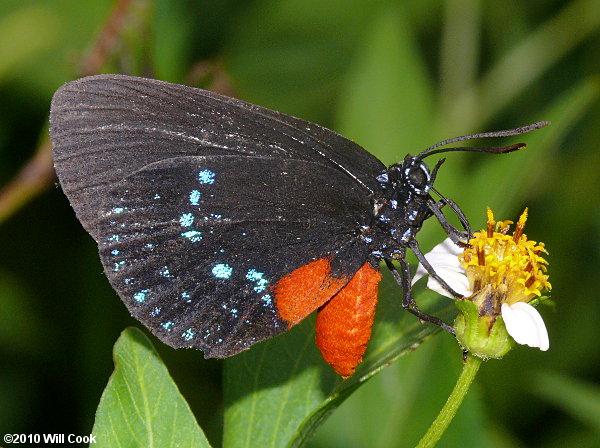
(438, 427)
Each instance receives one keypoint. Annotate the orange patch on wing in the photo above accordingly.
(305, 289)
(344, 323)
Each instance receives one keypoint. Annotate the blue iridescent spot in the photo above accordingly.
(193, 235)
(167, 325)
(128, 281)
(267, 299)
(118, 265)
(114, 252)
(118, 210)
(113, 238)
(222, 270)
(206, 177)
(195, 197)
(155, 312)
(186, 220)
(185, 295)
(188, 335)
(234, 311)
(257, 277)
(394, 204)
(140, 296)
(156, 196)
(149, 245)
(165, 272)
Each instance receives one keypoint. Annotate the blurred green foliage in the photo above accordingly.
(395, 76)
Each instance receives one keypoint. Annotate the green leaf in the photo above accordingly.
(141, 405)
(278, 393)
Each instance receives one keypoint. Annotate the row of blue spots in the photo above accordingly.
(155, 312)
(186, 220)
(167, 325)
(257, 277)
(193, 235)
(164, 272)
(206, 177)
(222, 270)
(188, 334)
(140, 296)
(195, 197)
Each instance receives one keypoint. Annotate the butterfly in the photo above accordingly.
(221, 223)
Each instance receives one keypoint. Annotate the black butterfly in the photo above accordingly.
(221, 223)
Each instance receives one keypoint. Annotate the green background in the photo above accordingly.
(393, 76)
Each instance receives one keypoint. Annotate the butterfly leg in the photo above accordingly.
(408, 302)
(455, 235)
(430, 270)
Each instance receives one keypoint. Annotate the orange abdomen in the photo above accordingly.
(344, 323)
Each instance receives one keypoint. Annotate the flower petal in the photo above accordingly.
(457, 280)
(525, 325)
(444, 259)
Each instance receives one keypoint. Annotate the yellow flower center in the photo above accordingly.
(510, 264)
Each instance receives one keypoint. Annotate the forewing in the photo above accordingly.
(106, 127)
(195, 245)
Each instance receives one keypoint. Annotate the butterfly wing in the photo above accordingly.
(105, 128)
(197, 246)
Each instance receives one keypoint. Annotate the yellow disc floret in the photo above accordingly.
(510, 264)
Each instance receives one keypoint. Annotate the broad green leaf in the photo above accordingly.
(402, 401)
(141, 405)
(279, 392)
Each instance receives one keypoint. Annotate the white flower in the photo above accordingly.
(523, 322)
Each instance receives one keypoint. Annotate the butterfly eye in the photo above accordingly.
(418, 178)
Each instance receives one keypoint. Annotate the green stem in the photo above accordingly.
(438, 427)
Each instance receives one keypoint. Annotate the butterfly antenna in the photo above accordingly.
(495, 150)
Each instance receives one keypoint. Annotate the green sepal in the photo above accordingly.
(475, 336)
